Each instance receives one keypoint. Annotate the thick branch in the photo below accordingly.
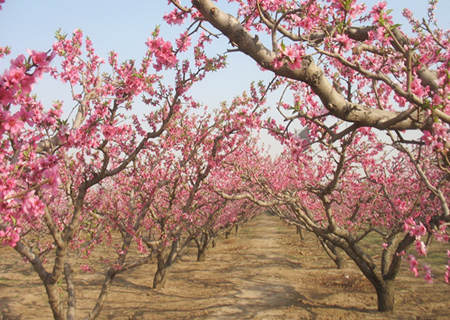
(309, 73)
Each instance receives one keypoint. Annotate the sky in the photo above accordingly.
(124, 26)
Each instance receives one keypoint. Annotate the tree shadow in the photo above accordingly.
(253, 297)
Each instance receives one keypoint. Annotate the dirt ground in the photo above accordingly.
(265, 272)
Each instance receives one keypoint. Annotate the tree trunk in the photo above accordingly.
(159, 280)
(383, 285)
(109, 277)
(201, 254)
(385, 296)
(71, 299)
(339, 261)
(300, 233)
(54, 301)
(202, 245)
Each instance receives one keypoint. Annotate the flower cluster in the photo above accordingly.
(163, 52)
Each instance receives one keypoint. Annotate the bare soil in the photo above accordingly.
(263, 272)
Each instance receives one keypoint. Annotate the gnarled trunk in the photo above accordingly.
(71, 300)
(202, 245)
(201, 254)
(164, 261)
(300, 233)
(109, 277)
(385, 296)
(159, 280)
(54, 301)
(383, 285)
(201, 250)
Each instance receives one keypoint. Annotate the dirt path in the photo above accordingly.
(263, 273)
(255, 272)
(267, 273)
(242, 278)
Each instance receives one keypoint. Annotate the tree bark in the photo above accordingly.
(311, 74)
(300, 233)
(109, 277)
(54, 301)
(202, 245)
(385, 295)
(163, 263)
(71, 299)
(338, 260)
(159, 280)
(201, 254)
(383, 287)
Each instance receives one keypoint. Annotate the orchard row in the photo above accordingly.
(142, 167)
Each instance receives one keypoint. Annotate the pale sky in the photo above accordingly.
(124, 26)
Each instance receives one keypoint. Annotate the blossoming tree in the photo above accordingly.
(367, 71)
(347, 69)
(343, 193)
(51, 169)
(344, 66)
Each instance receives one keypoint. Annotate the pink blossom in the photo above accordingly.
(428, 275)
(407, 13)
(414, 229)
(52, 177)
(163, 52)
(441, 234)
(4, 51)
(413, 264)
(277, 63)
(15, 76)
(421, 248)
(175, 17)
(408, 224)
(184, 42)
(345, 41)
(13, 125)
(401, 253)
(32, 205)
(378, 12)
(10, 236)
(38, 58)
(401, 205)
(86, 268)
(293, 54)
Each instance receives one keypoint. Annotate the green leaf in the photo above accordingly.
(155, 32)
(59, 35)
(347, 4)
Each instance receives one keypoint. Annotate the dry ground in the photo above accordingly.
(265, 272)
